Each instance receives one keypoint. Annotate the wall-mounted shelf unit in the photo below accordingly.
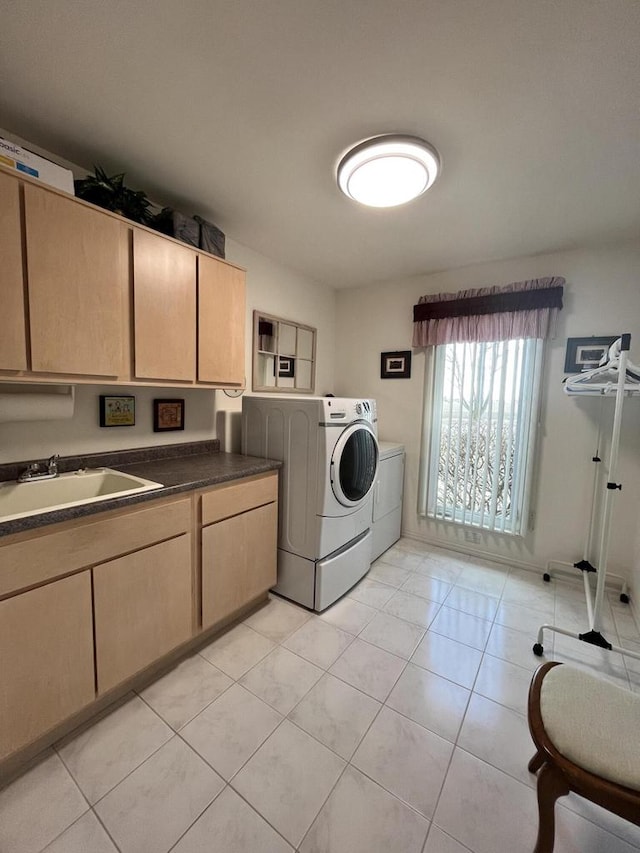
(284, 355)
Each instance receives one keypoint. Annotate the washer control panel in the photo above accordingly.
(347, 409)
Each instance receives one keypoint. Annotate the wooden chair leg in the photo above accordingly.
(551, 785)
(536, 762)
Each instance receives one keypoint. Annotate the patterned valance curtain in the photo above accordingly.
(523, 309)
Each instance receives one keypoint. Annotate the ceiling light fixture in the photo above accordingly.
(388, 170)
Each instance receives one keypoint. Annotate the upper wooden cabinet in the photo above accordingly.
(88, 296)
(164, 300)
(76, 263)
(13, 347)
(177, 304)
(221, 321)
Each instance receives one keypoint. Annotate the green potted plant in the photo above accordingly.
(112, 194)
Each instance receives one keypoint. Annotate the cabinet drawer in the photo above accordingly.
(46, 556)
(225, 501)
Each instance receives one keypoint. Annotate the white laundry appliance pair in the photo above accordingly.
(330, 453)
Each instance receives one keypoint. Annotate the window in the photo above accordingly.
(484, 409)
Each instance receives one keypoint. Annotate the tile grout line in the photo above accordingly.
(178, 840)
(384, 705)
(287, 719)
(199, 815)
(260, 815)
(325, 670)
(432, 822)
(615, 834)
(473, 691)
(324, 802)
(82, 729)
(102, 824)
(176, 733)
(197, 714)
(455, 745)
(62, 832)
(361, 739)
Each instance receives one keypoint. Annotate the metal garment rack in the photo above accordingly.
(620, 378)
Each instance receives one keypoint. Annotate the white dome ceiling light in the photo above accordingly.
(389, 170)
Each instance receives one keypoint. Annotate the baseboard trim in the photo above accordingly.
(470, 551)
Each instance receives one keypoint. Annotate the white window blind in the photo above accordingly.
(482, 434)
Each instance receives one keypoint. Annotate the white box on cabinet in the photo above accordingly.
(19, 158)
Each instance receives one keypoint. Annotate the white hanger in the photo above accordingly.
(587, 383)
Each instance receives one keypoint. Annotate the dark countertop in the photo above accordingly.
(178, 473)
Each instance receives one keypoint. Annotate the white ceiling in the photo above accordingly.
(240, 109)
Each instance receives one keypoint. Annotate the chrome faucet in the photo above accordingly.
(40, 471)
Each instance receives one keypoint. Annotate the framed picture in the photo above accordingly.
(585, 353)
(286, 367)
(117, 411)
(168, 415)
(395, 365)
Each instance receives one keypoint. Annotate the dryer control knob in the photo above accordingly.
(359, 408)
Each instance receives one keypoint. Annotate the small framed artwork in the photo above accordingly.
(168, 415)
(285, 366)
(585, 353)
(117, 411)
(395, 365)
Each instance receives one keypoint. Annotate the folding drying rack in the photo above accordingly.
(620, 378)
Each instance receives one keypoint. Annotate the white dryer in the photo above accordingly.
(387, 498)
(330, 453)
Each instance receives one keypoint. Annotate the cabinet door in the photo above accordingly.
(77, 281)
(221, 322)
(164, 298)
(238, 561)
(13, 348)
(46, 659)
(142, 608)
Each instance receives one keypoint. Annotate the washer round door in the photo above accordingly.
(354, 463)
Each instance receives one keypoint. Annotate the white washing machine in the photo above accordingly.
(387, 498)
(330, 453)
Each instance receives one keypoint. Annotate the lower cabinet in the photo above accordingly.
(131, 600)
(46, 659)
(238, 561)
(143, 608)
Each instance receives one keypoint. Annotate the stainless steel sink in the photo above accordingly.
(74, 489)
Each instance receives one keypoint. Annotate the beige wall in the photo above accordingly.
(276, 290)
(602, 296)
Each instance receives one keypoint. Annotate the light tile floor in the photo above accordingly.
(393, 721)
